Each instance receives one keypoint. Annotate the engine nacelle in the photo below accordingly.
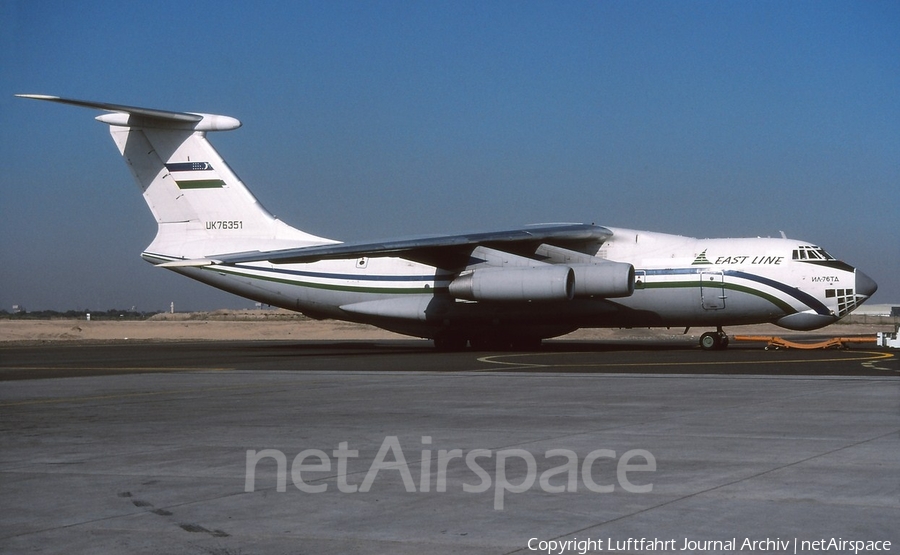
(532, 283)
(607, 280)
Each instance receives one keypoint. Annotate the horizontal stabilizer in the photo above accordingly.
(190, 263)
(146, 112)
(133, 116)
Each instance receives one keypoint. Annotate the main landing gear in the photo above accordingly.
(714, 340)
(450, 343)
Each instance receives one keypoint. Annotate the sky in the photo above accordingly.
(366, 120)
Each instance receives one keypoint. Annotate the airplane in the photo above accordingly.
(507, 289)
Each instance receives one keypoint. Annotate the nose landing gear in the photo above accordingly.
(714, 341)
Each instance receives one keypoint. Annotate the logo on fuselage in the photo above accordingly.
(738, 260)
(701, 259)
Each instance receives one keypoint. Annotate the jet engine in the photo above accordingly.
(529, 283)
(606, 280)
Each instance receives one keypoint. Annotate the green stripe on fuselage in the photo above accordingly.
(327, 286)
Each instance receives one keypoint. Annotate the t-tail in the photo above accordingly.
(201, 207)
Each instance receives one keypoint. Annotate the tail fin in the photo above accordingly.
(201, 207)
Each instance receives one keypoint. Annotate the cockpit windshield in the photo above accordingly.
(810, 252)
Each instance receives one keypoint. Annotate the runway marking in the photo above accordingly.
(494, 359)
(873, 365)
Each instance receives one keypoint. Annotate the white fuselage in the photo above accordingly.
(679, 281)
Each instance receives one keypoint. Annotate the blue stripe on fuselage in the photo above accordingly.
(795, 292)
(789, 290)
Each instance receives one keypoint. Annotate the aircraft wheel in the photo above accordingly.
(491, 343)
(449, 343)
(482, 343)
(709, 341)
(526, 343)
(714, 341)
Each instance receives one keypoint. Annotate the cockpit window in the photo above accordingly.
(810, 252)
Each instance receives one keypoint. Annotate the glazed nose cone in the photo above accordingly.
(865, 285)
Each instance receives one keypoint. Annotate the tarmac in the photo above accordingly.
(388, 447)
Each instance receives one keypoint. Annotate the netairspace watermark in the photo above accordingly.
(639, 545)
(312, 468)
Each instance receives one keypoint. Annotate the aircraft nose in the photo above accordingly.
(865, 285)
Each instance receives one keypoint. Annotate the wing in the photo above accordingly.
(443, 251)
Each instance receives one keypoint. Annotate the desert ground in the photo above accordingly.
(234, 325)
